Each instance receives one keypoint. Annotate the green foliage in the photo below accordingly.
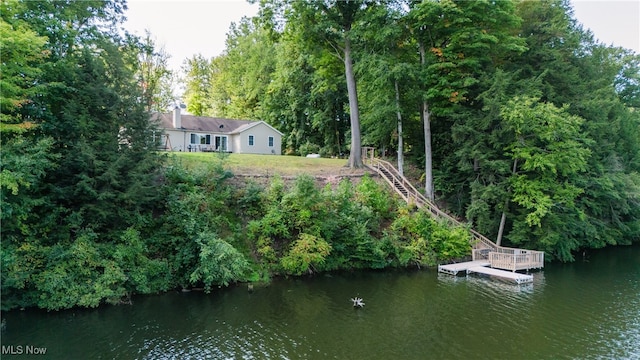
(374, 196)
(219, 263)
(251, 201)
(23, 166)
(462, 40)
(150, 66)
(84, 273)
(466, 60)
(144, 275)
(548, 150)
(240, 77)
(288, 215)
(199, 204)
(416, 238)
(23, 50)
(305, 254)
(79, 275)
(347, 227)
(308, 148)
(80, 171)
(451, 242)
(198, 85)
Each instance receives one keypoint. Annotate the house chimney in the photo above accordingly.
(177, 120)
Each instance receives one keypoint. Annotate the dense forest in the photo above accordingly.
(517, 118)
(520, 121)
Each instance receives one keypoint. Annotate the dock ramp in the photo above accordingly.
(509, 275)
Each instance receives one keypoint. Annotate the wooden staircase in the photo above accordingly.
(500, 257)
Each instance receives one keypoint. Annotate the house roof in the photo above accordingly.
(208, 124)
(246, 127)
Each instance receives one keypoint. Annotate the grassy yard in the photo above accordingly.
(267, 165)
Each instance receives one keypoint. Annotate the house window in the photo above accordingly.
(270, 141)
(201, 139)
(250, 140)
(220, 143)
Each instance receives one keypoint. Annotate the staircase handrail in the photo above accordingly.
(483, 248)
(419, 198)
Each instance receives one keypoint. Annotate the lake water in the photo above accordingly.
(589, 309)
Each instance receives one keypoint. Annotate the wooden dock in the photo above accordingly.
(454, 269)
(517, 277)
(483, 267)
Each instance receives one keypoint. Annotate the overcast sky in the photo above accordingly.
(186, 28)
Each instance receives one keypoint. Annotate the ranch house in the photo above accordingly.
(200, 133)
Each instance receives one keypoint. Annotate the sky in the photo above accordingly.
(189, 27)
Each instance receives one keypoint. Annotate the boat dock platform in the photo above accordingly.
(517, 277)
(454, 269)
(482, 267)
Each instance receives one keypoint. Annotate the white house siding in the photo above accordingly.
(177, 140)
(261, 133)
(235, 143)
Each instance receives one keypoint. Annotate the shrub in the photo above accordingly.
(308, 148)
(251, 201)
(306, 252)
(416, 238)
(219, 263)
(373, 195)
(79, 275)
(451, 242)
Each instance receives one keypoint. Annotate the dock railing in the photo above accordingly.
(500, 257)
(518, 260)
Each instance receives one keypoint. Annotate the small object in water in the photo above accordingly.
(357, 302)
(250, 288)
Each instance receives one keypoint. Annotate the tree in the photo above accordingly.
(219, 263)
(547, 150)
(305, 99)
(331, 25)
(480, 155)
(149, 63)
(458, 42)
(23, 51)
(289, 101)
(90, 171)
(23, 163)
(305, 253)
(234, 84)
(569, 72)
(241, 75)
(386, 79)
(197, 85)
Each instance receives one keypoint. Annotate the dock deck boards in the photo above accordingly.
(454, 269)
(518, 278)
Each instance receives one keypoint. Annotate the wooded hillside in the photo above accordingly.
(517, 118)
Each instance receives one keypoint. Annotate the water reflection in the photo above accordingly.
(495, 285)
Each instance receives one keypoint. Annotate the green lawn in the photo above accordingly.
(250, 164)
